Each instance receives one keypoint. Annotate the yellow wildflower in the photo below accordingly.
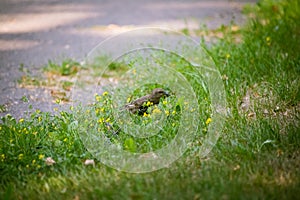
(268, 40)
(57, 101)
(21, 120)
(2, 157)
(156, 110)
(167, 112)
(134, 71)
(41, 156)
(165, 102)
(100, 120)
(227, 55)
(208, 121)
(149, 103)
(105, 93)
(20, 157)
(98, 98)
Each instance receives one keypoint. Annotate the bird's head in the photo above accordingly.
(158, 93)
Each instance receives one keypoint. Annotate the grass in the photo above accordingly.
(257, 156)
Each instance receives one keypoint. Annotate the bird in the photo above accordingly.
(140, 105)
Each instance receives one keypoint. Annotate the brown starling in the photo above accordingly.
(140, 105)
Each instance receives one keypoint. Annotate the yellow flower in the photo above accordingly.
(57, 101)
(41, 156)
(149, 103)
(98, 98)
(55, 109)
(165, 102)
(2, 157)
(65, 139)
(100, 120)
(34, 133)
(20, 157)
(128, 99)
(105, 93)
(156, 110)
(174, 112)
(146, 115)
(167, 112)
(268, 40)
(227, 55)
(33, 162)
(25, 131)
(21, 120)
(208, 121)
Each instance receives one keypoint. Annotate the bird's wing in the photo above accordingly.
(140, 101)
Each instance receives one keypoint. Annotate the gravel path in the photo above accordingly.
(35, 31)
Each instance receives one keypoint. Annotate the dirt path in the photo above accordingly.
(35, 31)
